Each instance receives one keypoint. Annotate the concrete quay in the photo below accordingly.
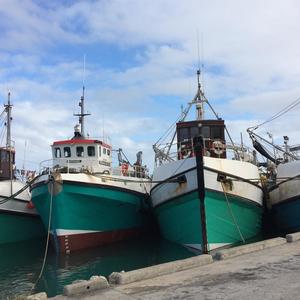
(264, 270)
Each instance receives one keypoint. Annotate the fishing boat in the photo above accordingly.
(201, 198)
(284, 197)
(86, 201)
(283, 174)
(19, 220)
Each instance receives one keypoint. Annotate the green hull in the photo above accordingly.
(89, 214)
(227, 222)
(16, 227)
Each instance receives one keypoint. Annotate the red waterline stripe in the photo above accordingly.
(69, 243)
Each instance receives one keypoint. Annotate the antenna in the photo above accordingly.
(200, 56)
(200, 98)
(103, 128)
(81, 104)
(83, 73)
(198, 50)
(202, 61)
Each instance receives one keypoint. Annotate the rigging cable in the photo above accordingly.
(168, 131)
(279, 114)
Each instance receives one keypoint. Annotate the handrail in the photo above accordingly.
(134, 171)
(48, 168)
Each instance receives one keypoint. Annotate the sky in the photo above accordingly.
(141, 59)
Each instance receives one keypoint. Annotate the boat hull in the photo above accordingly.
(285, 215)
(284, 198)
(180, 220)
(87, 214)
(19, 221)
(18, 227)
(232, 214)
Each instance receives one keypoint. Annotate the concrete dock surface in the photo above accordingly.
(272, 273)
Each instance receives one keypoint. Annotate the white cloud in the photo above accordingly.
(251, 59)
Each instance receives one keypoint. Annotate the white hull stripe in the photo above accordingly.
(60, 232)
(122, 182)
(164, 192)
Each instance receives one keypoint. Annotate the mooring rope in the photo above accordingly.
(51, 181)
(7, 198)
(232, 214)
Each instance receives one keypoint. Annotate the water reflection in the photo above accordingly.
(20, 263)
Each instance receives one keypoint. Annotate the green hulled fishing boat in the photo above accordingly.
(19, 220)
(221, 208)
(83, 200)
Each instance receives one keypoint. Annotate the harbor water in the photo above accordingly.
(20, 263)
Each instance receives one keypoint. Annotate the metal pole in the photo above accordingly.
(82, 113)
(198, 144)
(8, 141)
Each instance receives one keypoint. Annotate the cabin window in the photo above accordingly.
(206, 132)
(91, 150)
(216, 132)
(4, 157)
(104, 150)
(108, 152)
(57, 152)
(79, 151)
(99, 150)
(183, 134)
(67, 151)
(194, 131)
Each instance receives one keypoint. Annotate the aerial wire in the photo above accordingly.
(278, 114)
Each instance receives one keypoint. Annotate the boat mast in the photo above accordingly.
(82, 113)
(199, 99)
(8, 108)
(81, 104)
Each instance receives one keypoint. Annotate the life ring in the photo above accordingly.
(30, 205)
(124, 169)
(218, 147)
(185, 151)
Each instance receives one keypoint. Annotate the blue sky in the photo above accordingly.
(141, 62)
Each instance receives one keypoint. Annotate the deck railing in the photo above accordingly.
(47, 167)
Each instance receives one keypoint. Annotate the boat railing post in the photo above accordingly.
(198, 148)
(49, 171)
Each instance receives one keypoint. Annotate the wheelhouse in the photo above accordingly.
(212, 131)
(80, 154)
(7, 161)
